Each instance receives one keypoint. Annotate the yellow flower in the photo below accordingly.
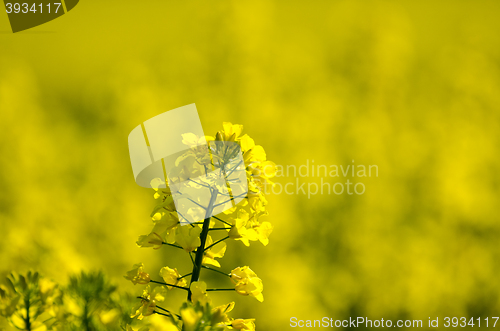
(263, 231)
(186, 167)
(110, 318)
(261, 172)
(257, 201)
(159, 193)
(219, 314)
(231, 132)
(241, 324)
(199, 147)
(190, 318)
(188, 237)
(255, 154)
(247, 282)
(8, 301)
(216, 251)
(251, 287)
(199, 293)
(148, 303)
(151, 240)
(246, 143)
(241, 273)
(190, 139)
(137, 275)
(165, 224)
(172, 276)
(239, 230)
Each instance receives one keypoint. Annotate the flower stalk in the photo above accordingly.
(203, 239)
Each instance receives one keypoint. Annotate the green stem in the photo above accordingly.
(189, 274)
(162, 283)
(203, 239)
(27, 319)
(218, 219)
(86, 318)
(168, 311)
(215, 243)
(173, 245)
(221, 272)
(157, 312)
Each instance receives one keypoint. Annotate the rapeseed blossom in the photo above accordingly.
(229, 151)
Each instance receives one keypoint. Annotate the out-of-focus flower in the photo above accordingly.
(110, 317)
(219, 314)
(137, 275)
(151, 240)
(190, 318)
(148, 303)
(8, 301)
(144, 328)
(172, 276)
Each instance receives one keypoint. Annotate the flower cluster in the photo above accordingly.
(89, 302)
(207, 164)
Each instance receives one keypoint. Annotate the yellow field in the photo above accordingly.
(409, 86)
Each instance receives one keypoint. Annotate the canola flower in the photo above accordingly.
(208, 163)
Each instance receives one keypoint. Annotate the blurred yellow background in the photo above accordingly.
(410, 86)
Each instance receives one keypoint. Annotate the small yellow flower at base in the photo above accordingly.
(219, 314)
(188, 237)
(171, 276)
(190, 318)
(199, 293)
(148, 304)
(241, 324)
(137, 275)
(151, 240)
(143, 309)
